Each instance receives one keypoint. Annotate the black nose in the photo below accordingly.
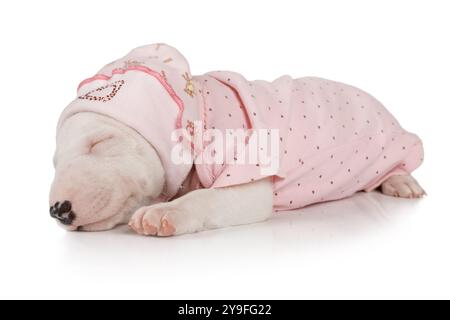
(63, 212)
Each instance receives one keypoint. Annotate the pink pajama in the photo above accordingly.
(335, 139)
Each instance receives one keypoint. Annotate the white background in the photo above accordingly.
(368, 246)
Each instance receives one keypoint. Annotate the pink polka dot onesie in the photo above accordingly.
(334, 139)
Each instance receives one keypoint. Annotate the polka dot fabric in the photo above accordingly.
(335, 139)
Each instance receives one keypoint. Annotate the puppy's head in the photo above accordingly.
(104, 171)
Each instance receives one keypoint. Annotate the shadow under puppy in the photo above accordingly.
(118, 150)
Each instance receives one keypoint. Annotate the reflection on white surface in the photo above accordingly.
(368, 245)
(298, 231)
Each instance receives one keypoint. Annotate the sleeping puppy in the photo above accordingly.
(147, 144)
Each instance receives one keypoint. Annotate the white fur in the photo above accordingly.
(207, 209)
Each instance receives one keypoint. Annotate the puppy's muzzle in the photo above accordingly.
(63, 212)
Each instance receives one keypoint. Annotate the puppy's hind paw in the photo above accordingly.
(403, 186)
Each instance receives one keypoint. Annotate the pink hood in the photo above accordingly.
(149, 90)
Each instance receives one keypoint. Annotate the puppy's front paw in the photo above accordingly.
(402, 186)
(157, 220)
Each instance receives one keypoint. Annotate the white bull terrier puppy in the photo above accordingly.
(146, 143)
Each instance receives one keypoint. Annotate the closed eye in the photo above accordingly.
(96, 143)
